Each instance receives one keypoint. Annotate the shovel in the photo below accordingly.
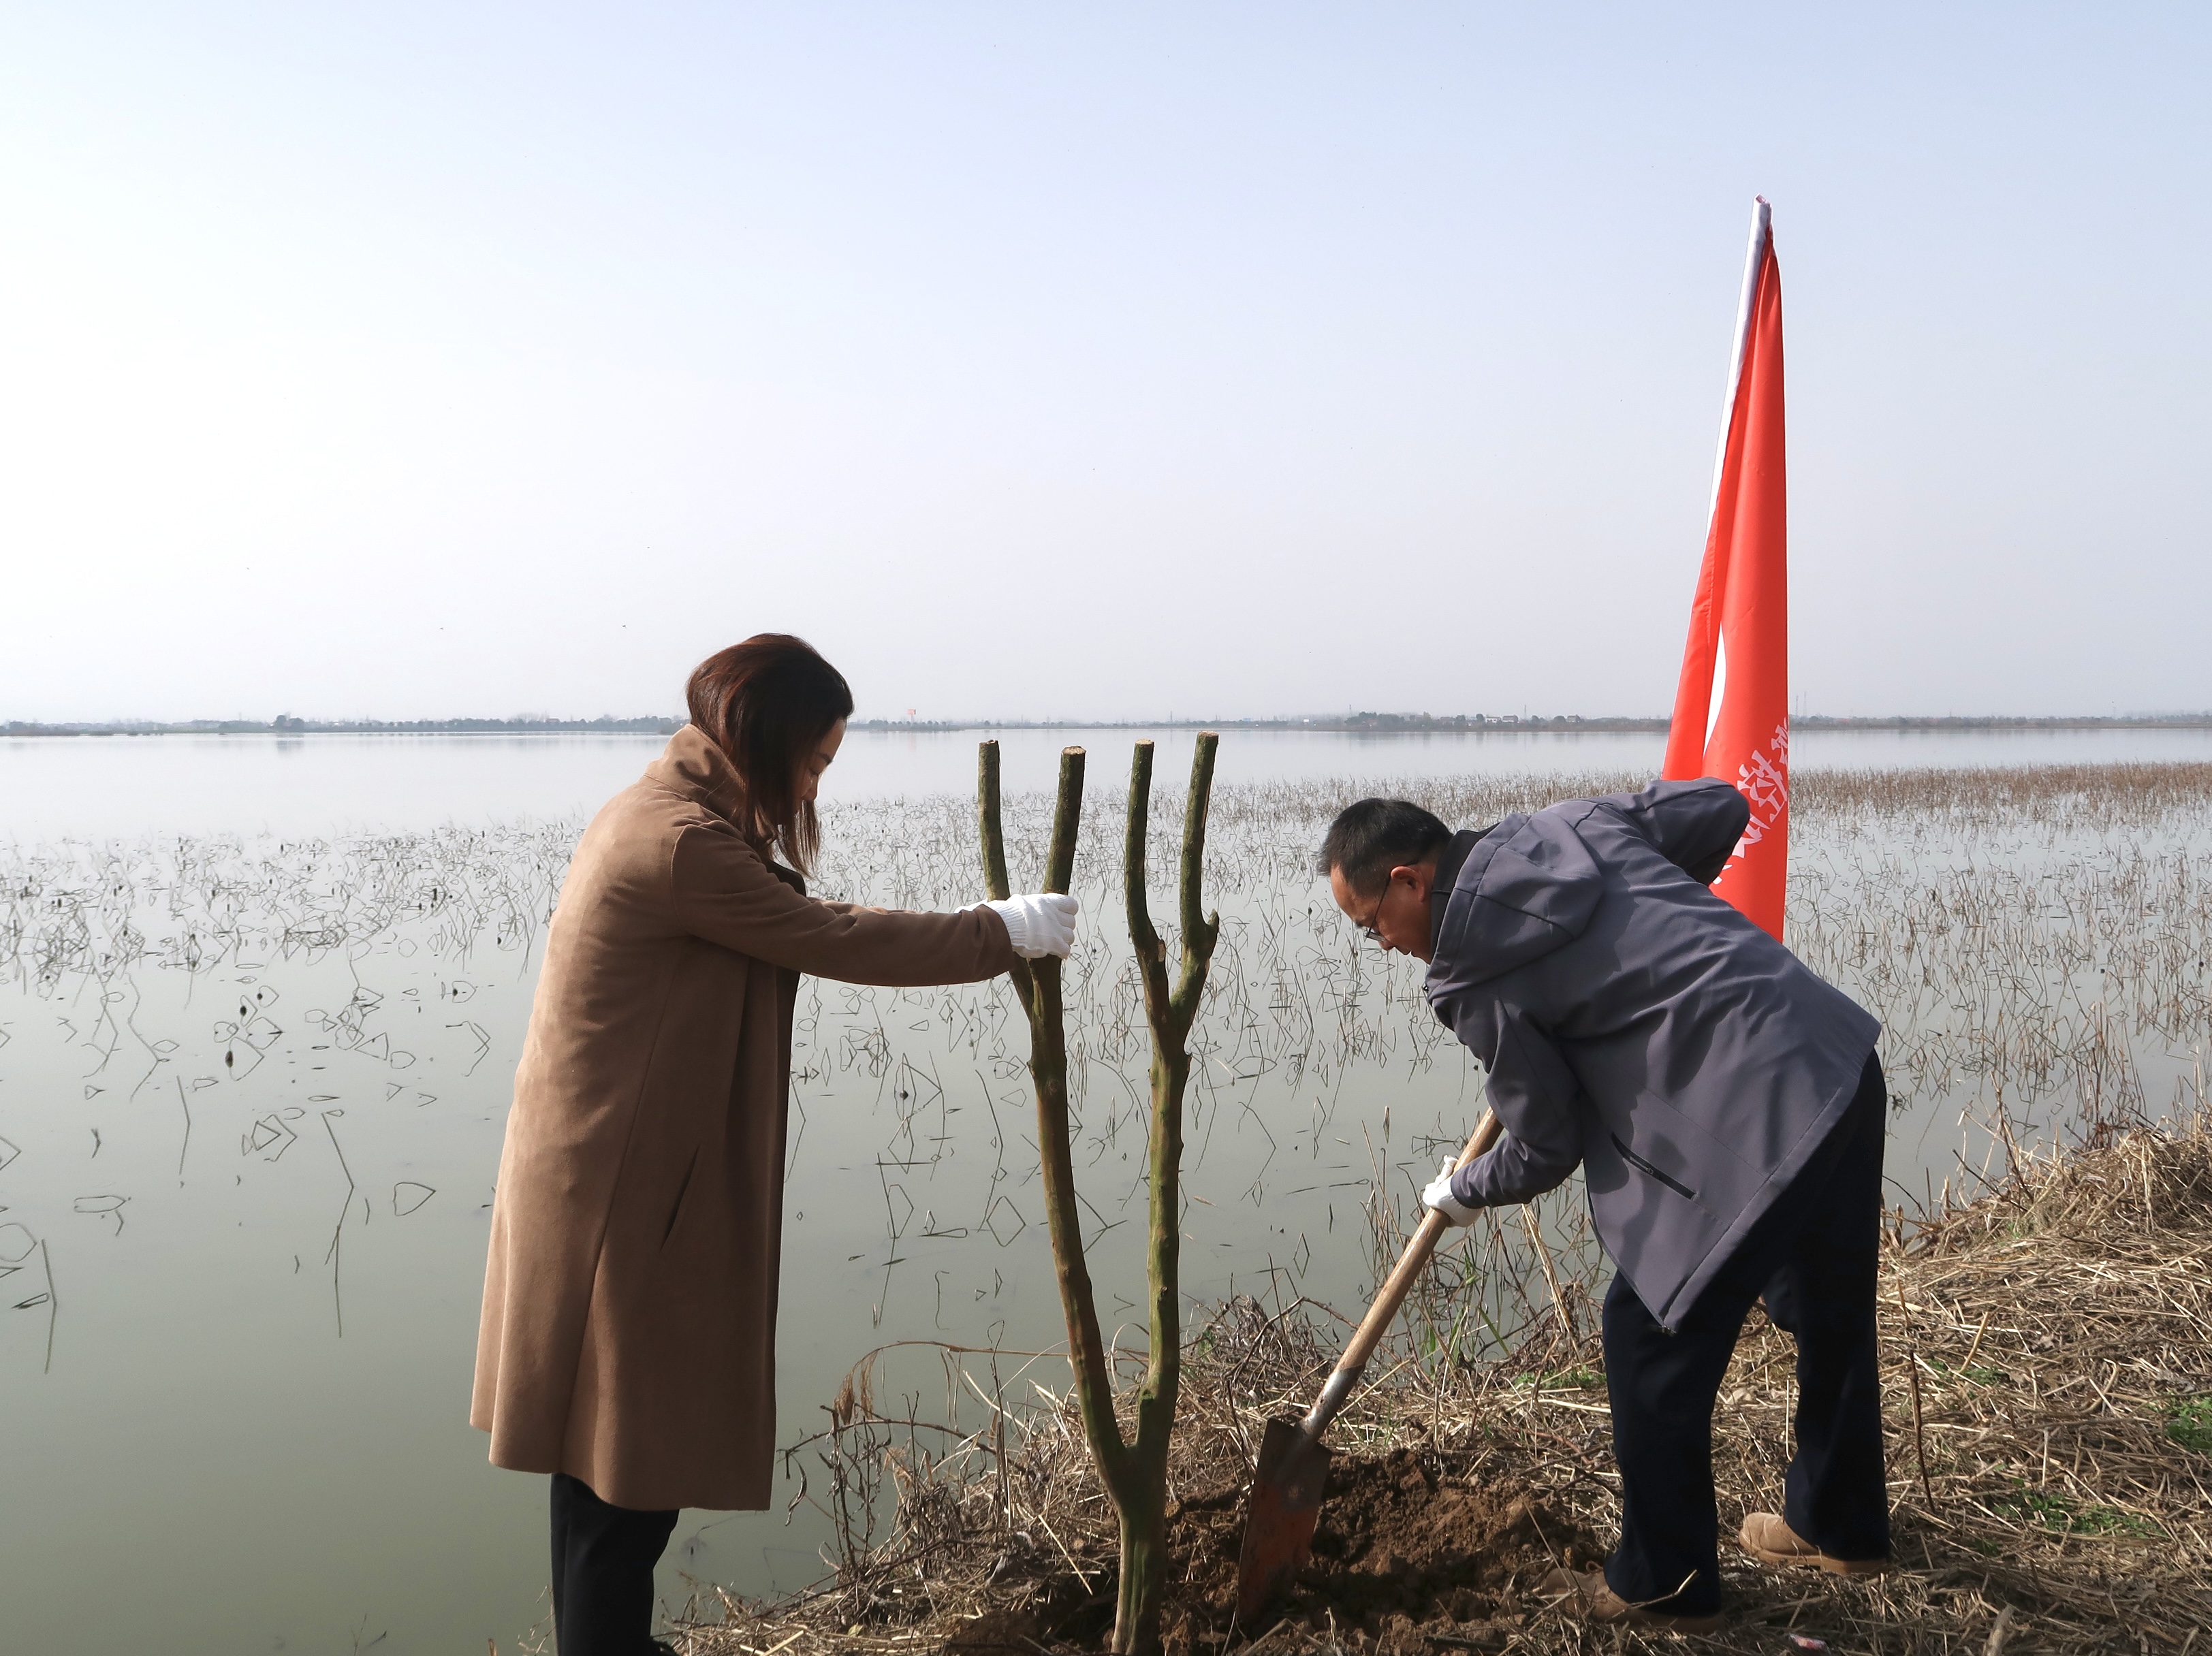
(1286, 1485)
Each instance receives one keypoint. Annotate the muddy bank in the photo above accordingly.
(1405, 1543)
(2047, 1386)
(1400, 1540)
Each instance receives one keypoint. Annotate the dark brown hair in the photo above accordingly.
(767, 703)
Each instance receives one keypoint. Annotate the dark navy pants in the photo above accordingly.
(1813, 1257)
(603, 1560)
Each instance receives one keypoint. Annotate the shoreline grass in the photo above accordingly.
(2047, 1367)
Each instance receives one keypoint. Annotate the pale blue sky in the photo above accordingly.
(419, 360)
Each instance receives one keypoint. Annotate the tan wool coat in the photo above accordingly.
(629, 1332)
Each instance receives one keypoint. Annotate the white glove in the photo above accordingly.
(1438, 1198)
(1042, 923)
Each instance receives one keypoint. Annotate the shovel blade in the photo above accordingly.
(1278, 1526)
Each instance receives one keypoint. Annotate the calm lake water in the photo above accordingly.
(126, 786)
(254, 1061)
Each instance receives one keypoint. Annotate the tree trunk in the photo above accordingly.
(1169, 1016)
(1134, 1474)
(1144, 1568)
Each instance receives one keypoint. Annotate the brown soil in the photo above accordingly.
(1398, 1544)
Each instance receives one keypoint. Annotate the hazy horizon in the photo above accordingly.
(985, 721)
(1106, 366)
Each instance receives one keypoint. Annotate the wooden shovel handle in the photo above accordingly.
(1411, 1262)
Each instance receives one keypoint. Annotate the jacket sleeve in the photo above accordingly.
(723, 892)
(1539, 1102)
(1695, 824)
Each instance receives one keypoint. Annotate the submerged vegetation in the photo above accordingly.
(2039, 935)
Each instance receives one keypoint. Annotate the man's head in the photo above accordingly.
(1381, 856)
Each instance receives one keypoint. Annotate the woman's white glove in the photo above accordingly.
(1438, 1198)
(1042, 923)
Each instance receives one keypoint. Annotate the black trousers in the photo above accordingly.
(1813, 1257)
(603, 1560)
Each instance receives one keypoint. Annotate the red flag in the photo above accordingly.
(1732, 707)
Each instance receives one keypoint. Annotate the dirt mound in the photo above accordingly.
(1399, 1542)
(1395, 1540)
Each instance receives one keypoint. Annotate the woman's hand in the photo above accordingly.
(1042, 923)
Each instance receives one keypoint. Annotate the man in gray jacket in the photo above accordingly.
(1728, 1112)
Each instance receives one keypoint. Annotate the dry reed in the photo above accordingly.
(2060, 1328)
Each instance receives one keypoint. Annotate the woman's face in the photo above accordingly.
(811, 765)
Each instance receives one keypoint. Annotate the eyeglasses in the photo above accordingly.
(1371, 928)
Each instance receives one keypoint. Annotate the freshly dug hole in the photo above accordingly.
(1397, 1545)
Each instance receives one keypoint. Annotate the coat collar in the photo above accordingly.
(694, 766)
(1528, 887)
(1449, 863)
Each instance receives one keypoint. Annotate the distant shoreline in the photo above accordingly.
(1356, 723)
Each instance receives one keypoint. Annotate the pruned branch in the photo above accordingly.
(995, 884)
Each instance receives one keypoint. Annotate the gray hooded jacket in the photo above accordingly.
(1635, 1024)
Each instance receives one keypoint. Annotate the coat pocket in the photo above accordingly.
(675, 1209)
(1667, 1180)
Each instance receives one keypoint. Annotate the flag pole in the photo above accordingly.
(1762, 224)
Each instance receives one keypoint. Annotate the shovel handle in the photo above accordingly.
(1395, 1287)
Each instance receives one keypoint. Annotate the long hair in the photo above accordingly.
(767, 703)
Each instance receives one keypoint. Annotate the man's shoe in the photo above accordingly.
(1585, 1591)
(1770, 1541)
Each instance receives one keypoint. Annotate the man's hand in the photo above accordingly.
(1438, 1198)
(1040, 924)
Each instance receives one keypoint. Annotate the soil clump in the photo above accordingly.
(1402, 1541)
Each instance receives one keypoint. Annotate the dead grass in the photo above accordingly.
(2048, 1478)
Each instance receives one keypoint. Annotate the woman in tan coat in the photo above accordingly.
(628, 1345)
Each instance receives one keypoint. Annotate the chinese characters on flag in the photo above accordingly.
(1732, 707)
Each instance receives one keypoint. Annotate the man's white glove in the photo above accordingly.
(1042, 923)
(1438, 1198)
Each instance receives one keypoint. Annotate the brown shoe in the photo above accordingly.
(1770, 1541)
(1585, 1591)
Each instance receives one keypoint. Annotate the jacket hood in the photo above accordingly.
(1528, 887)
(693, 765)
